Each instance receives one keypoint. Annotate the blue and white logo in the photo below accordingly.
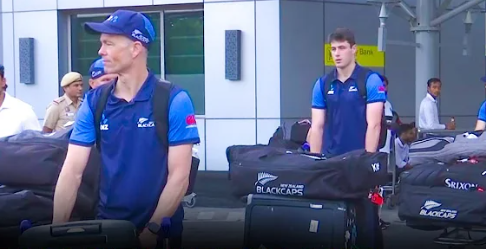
(137, 34)
(104, 123)
(433, 209)
(264, 178)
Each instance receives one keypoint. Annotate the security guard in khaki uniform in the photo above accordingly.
(62, 111)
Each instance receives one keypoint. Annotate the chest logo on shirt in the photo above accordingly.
(353, 89)
(145, 123)
(104, 123)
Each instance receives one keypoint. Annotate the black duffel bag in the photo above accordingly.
(425, 207)
(461, 176)
(269, 170)
(34, 164)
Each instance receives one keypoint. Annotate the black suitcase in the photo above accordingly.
(274, 222)
(112, 234)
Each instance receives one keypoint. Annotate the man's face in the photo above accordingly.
(342, 53)
(117, 52)
(3, 83)
(434, 89)
(94, 83)
(74, 90)
(411, 135)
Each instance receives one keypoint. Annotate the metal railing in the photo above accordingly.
(424, 133)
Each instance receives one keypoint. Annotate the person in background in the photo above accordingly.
(342, 121)
(61, 112)
(429, 113)
(16, 116)
(481, 123)
(97, 74)
(388, 112)
(406, 136)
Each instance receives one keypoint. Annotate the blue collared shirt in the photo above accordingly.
(345, 125)
(135, 169)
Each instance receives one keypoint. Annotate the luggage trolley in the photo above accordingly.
(454, 236)
(389, 191)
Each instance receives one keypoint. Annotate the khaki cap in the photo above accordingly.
(70, 78)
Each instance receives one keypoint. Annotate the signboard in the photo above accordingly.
(366, 56)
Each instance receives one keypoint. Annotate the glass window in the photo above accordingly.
(184, 53)
(85, 46)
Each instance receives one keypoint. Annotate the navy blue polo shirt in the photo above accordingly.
(345, 125)
(134, 170)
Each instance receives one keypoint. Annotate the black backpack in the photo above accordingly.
(363, 74)
(160, 103)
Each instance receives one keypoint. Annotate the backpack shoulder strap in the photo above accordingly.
(161, 103)
(326, 84)
(100, 107)
(363, 75)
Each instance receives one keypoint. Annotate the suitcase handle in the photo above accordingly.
(65, 230)
(317, 156)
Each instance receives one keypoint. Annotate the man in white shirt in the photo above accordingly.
(15, 115)
(429, 113)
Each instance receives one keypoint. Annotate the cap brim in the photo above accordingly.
(101, 28)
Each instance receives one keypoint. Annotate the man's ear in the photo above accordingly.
(91, 83)
(137, 49)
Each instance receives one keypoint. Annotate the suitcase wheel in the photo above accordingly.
(189, 201)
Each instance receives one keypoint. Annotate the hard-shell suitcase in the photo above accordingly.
(112, 234)
(274, 222)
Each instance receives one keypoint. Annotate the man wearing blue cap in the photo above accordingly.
(141, 181)
(97, 75)
(481, 123)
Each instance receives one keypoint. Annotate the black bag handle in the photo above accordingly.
(70, 229)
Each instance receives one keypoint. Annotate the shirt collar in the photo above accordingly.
(145, 91)
(8, 102)
(400, 143)
(429, 96)
(67, 99)
(353, 76)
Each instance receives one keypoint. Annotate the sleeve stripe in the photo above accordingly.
(81, 143)
(185, 141)
(375, 101)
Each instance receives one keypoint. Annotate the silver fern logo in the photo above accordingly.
(264, 178)
(431, 204)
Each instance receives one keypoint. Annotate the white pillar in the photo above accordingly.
(427, 51)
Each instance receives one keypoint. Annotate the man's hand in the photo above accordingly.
(451, 126)
(147, 239)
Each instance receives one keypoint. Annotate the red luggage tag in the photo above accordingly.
(377, 199)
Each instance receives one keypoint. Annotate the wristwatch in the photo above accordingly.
(153, 227)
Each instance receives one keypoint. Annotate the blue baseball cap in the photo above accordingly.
(97, 69)
(131, 24)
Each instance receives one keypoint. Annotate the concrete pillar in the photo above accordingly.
(427, 52)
